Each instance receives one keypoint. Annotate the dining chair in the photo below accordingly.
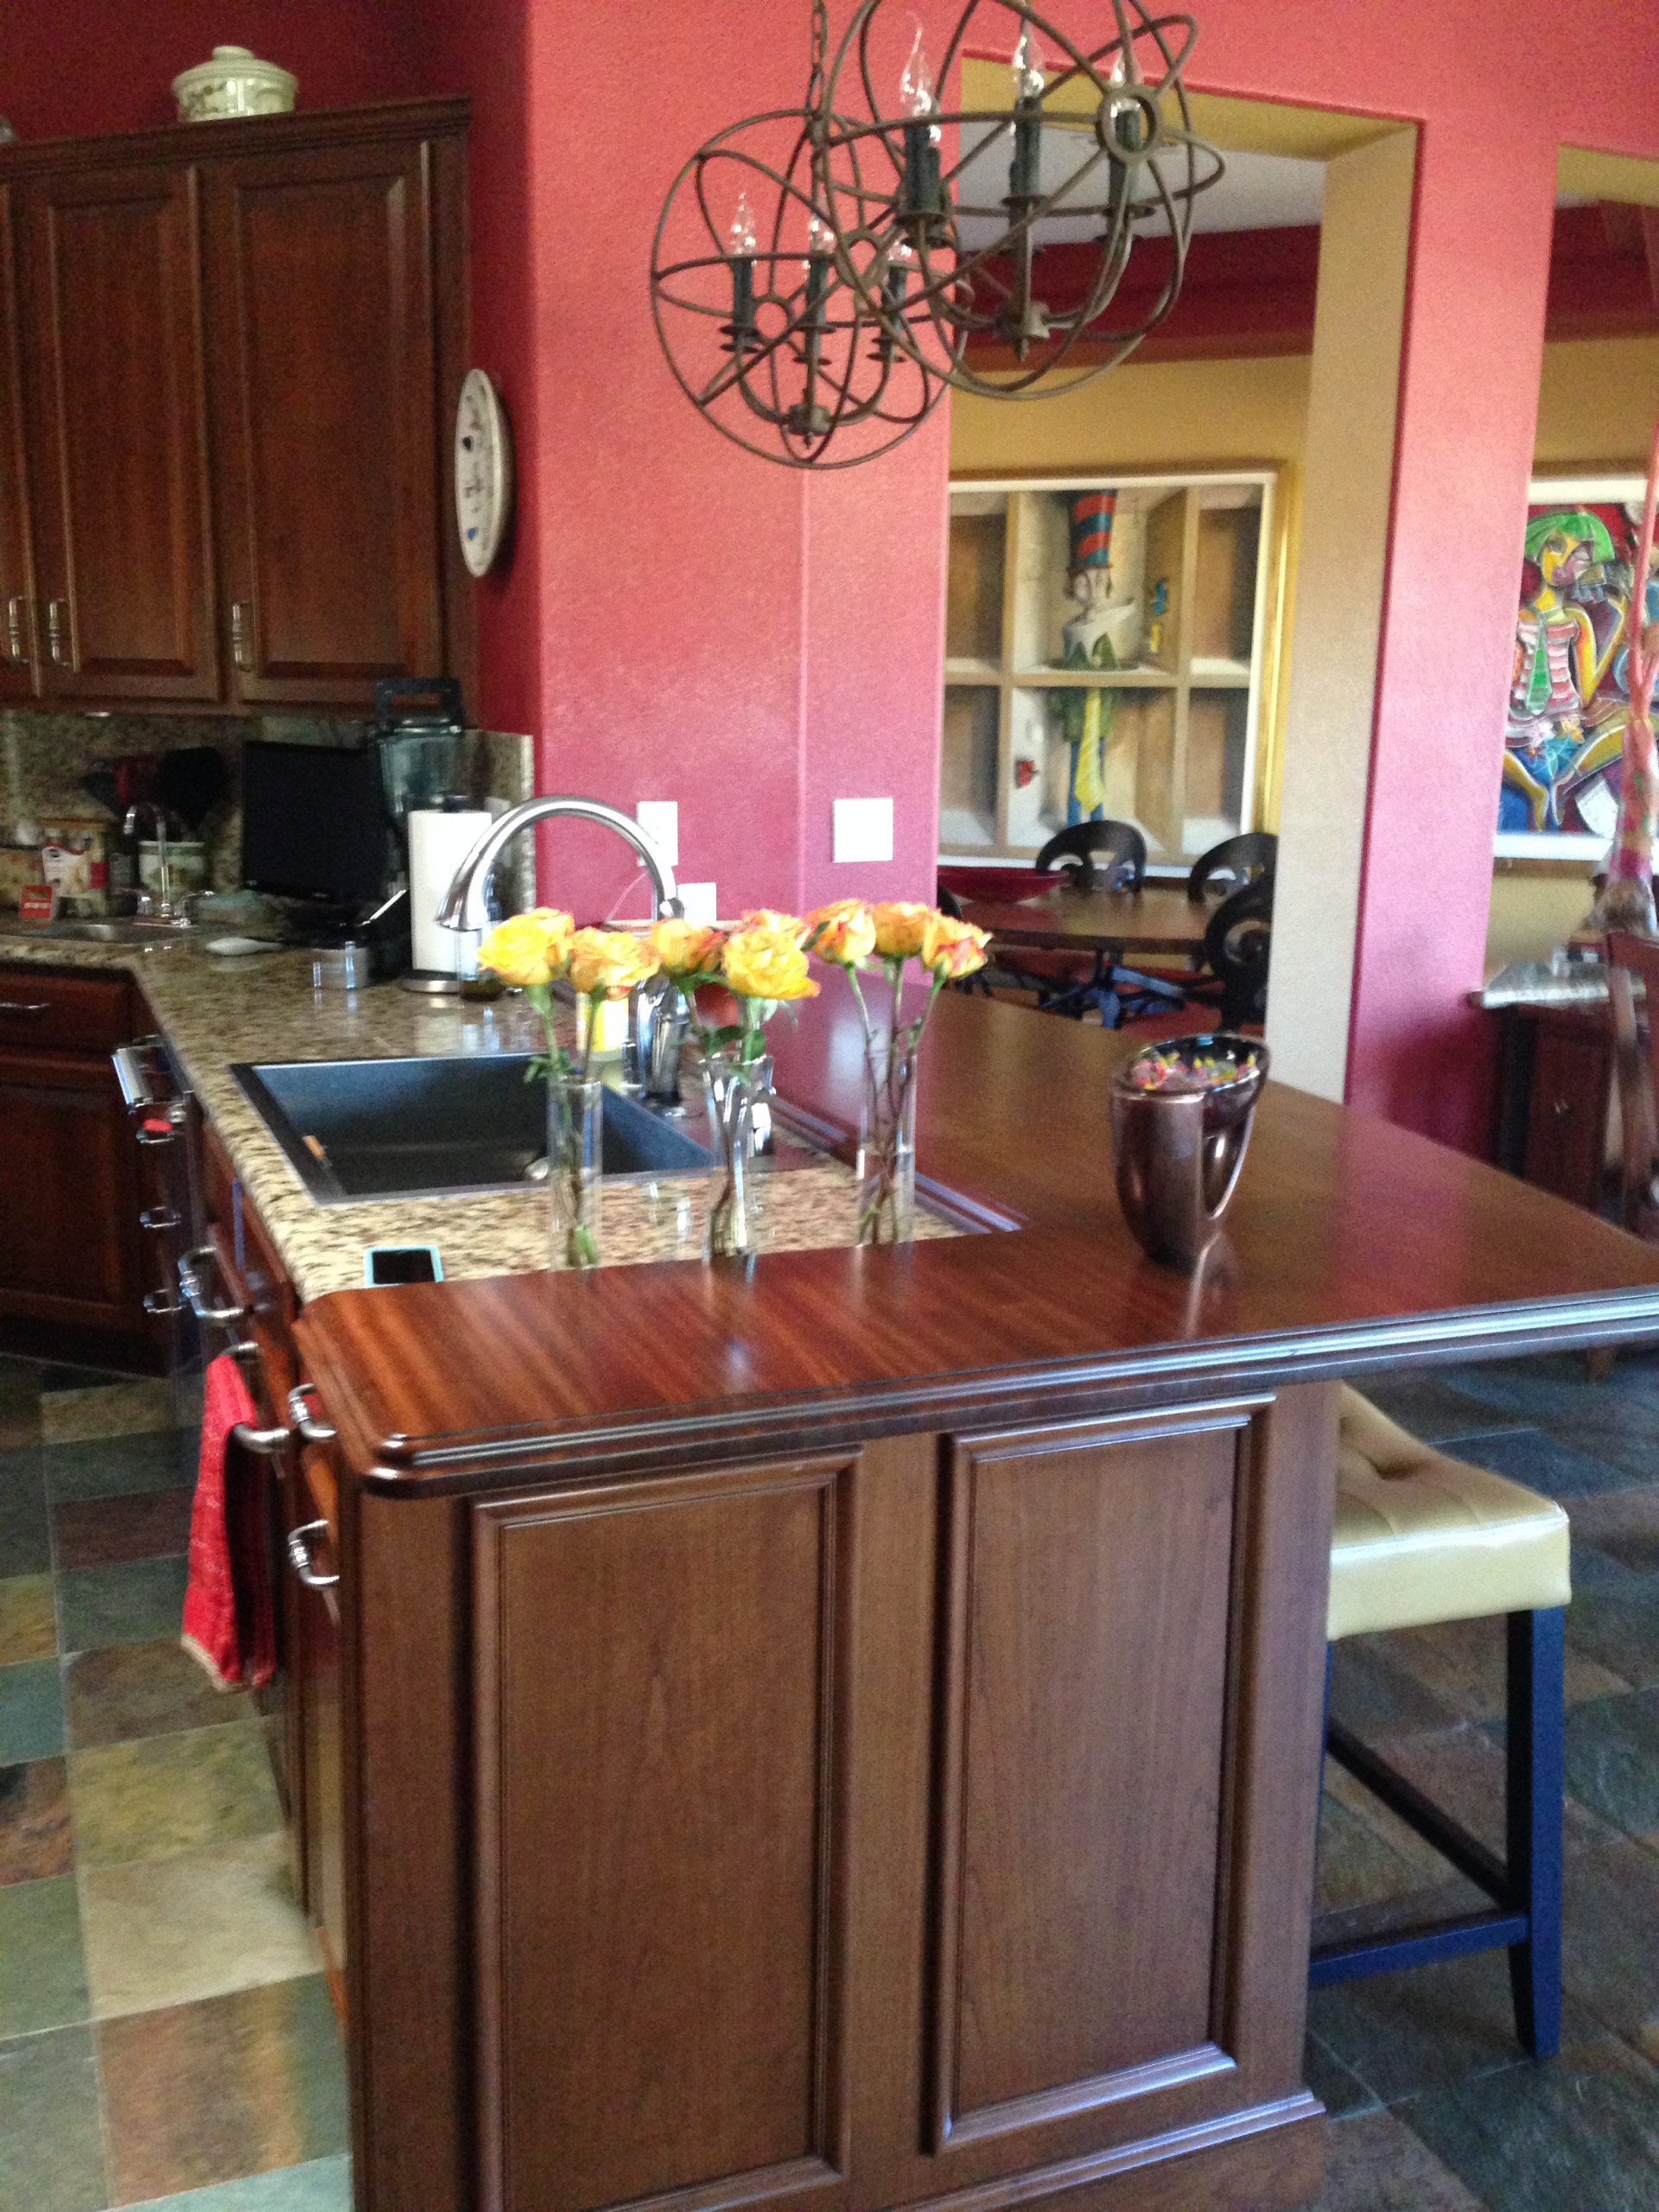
(1230, 865)
(1238, 951)
(1421, 1538)
(1630, 961)
(1074, 848)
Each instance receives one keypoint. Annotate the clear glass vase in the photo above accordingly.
(575, 1129)
(738, 1099)
(887, 1145)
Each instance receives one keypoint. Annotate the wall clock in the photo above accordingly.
(483, 472)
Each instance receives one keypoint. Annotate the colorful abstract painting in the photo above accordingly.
(1568, 697)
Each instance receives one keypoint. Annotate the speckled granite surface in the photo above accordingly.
(215, 1011)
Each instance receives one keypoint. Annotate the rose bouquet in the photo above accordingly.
(761, 963)
(534, 951)
(846, 935)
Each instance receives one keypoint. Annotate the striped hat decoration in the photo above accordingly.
(1091, 529)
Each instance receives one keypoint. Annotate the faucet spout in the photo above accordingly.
(464, 904)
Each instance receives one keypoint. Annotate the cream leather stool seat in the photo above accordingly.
(1420, 1537)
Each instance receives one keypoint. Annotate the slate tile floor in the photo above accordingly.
(166, 2037)
(1437, 2109)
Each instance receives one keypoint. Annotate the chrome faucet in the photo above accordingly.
(158, 904)
(656, 1020)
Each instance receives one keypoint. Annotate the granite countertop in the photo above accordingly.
(214, 1011)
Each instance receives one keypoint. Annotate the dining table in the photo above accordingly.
(1158, 918)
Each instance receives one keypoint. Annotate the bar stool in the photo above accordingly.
(1420, 1538)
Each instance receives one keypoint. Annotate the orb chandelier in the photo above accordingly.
(819, 274)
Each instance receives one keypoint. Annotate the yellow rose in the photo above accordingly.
(609, 962)
(686, 948)
(899, 927)
(768, 918)
(843, 932)
(951, 948)
(767, 963)
(529, 949)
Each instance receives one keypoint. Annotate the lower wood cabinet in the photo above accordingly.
(1554, 1100)
(70, 1260)
(854, 1830)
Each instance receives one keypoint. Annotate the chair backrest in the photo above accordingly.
(949, 904)
(1078, 845)
(1239, 946)
(1230, 865)
(1001, 885)
(1630, 959)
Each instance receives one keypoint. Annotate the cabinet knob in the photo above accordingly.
(17, 631)
(1560, 1108)
(241, 634)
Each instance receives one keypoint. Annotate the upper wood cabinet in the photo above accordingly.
(18, 674)
(115, 410)
(239, 347)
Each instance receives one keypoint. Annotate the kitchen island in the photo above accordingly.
(844, 1732)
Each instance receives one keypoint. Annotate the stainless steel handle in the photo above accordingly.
(309, 1431)
(16, 608)
(157, 1136)
(25, 1006)
(299, 1555)
(241, 635)
(158, 1220)
(162, 1306)
(60, 633)
(136, 1093)
(269, 1441)
(217, 1317)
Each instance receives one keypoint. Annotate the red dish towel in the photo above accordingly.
(227, 1611)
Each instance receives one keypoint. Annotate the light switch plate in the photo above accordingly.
(698, 900)
(863, 828)
(660, 820)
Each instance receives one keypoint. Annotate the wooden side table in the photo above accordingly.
(1554, 1105)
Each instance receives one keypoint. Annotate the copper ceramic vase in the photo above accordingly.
(1178, 1151)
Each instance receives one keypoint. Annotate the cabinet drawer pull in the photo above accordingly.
(308, 1431)
(241, 635)
(299, 1555)
(158, 1220)
(16, 609)
(267, 1441)
(60, 634)
(190, 1283)
(25, 1006)
(160, 1304)
(157, 1136)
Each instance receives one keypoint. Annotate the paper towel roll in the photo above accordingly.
(437, 845)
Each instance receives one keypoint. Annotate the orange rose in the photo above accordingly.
(609, 962)
(687, 948)
(952, 949)
(899, 927)
(767, 963)
(529, 949)
(843, 932)
(768, 918)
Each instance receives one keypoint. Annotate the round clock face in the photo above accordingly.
(483, 472)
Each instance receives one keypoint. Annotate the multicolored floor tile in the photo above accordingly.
(31, 1710)
(138, 1603)
(128, 1690)
(111, 1466)
(165, 1795)
(51, 2144)
(167, 1931)
(105, 1531)
(35, 1836)
(131, 1407)
(210, 2092)
(42, 1971)
(28, 1618)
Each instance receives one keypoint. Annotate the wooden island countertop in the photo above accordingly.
(844, 1732)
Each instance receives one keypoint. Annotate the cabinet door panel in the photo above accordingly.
(663, 1747)
(68, 1192)
(116, 409)
(18, 674)
(325, 425)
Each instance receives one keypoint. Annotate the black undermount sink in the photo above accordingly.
(419, 1128)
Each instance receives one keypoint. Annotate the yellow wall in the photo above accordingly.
(1596, 405)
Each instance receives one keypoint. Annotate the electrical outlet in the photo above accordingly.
(863, 828)
(660, 820)
(698, 900)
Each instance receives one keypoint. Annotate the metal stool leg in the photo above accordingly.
(1535, 1796)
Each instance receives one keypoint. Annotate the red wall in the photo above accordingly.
(84, 66)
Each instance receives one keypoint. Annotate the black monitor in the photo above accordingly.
(313, 823)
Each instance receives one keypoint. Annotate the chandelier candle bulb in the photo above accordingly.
(922, 190)
(740, 329)
(1028, 84)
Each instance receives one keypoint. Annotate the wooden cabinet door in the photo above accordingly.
(313, 1665)
(117, 431)
(68, 1196)
(325, 426)
(1567, 1112)
(18, 673)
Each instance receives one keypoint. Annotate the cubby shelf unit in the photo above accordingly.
(1190, 568)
